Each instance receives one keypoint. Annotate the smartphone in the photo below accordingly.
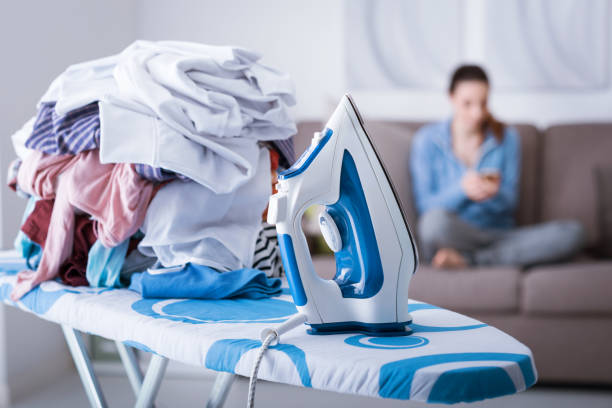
(491, 175)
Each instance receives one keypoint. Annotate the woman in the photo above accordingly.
(465, 175)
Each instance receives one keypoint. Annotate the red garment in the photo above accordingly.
(12, 174)
(37, 223)
(274, 158)
(73, 270)
(12, 184)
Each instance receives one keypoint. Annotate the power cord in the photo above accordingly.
(270, 336)
(253, 381)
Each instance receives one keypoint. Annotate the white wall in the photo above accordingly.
(38, 40)
(303, 38)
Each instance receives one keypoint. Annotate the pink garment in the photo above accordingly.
(113, 194)
(38, 173)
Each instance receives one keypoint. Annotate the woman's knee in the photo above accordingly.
(575, 233)
(570, 236)
(434, 225)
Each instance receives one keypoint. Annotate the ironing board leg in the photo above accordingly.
(220, 389)
(130, 363)
(84, 367)
(152, 381)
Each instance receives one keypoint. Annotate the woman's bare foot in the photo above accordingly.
(448, 258)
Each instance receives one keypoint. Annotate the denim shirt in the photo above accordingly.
(437, 172)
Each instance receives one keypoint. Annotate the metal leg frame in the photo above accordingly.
(220, 389)
(152, 381)
(132, 368)
(84, 367)
(145, 389)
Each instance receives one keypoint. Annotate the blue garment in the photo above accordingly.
(436, 175)
(104, 264)
(29, 250)
(193, 281)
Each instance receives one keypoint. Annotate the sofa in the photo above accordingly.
(563, 312)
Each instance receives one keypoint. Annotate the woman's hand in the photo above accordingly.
(491, 183)
(473, 186)
(479, 188)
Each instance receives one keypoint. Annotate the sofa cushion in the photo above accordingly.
(570, 154)
(491, 289)
(324, 266)
(488, 290)
(529, 189)
(572, 289)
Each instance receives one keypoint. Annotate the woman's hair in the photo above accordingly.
(476, 73)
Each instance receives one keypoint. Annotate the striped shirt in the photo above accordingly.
(156, 173)
(267, 256)
(286, 150)
(73, 133)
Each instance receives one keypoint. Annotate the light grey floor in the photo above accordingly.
(180, 391)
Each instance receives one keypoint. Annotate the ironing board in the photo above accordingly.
(449, 358)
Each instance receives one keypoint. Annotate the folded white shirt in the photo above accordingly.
(187, 222)
(220, 164)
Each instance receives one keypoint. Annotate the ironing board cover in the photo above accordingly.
(449, 358)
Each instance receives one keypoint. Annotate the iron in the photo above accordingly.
(361, 221)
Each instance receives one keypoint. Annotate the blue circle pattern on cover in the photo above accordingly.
(386, 343)
(194, 311)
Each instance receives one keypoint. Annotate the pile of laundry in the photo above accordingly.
(152, 169)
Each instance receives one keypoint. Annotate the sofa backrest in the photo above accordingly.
(393, 140)
(570, 155)
(528, 208)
